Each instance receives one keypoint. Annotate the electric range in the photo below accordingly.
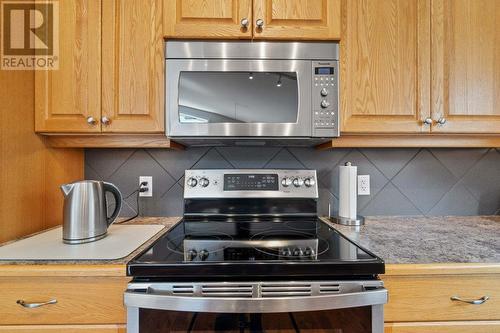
(250, 241)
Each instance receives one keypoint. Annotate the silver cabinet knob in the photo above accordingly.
(324, 92)
(310, 182)
(470, 301)
(105, 120)
(91, 120)
(297, 182)
(259, 23)
(286, 182)
(192, 182)
(441, 121)
(324, 104)
(428, 121)
(244, 22)
(204, 182)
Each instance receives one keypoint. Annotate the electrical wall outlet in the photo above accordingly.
(149, 180)
(364, 185)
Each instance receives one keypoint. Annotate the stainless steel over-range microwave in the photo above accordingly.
(223, 90)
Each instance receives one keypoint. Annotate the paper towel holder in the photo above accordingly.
(358, 221)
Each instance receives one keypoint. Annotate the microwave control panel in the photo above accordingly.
(325, 98)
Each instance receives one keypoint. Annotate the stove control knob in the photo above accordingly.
(298, 182)
(286, 182)
(204, 182)
(309, 252)
(192, 254)
(297, 252)
(324, 92)
(286, 252)
(309, 182)
(192, 182)
(203, 255)
(324, 104)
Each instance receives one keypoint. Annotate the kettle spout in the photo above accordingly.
(66, 188)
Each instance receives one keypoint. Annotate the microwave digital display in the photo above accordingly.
(324, 70)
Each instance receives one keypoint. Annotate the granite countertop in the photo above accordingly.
(168, 222)
(427, 240)
(397, 240)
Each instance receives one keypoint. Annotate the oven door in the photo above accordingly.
(346, 307)
(238, 98)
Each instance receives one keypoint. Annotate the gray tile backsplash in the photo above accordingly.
(403, 181)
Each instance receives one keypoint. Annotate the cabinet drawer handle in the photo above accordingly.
(469, 301)
(35, 305)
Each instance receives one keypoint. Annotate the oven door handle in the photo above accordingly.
(254, 305)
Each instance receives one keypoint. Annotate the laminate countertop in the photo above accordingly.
(429, 240)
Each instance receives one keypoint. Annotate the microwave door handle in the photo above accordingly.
(151, 300)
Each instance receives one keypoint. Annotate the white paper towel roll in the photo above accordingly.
(347, 191)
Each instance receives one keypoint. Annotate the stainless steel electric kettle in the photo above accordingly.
(85, 210)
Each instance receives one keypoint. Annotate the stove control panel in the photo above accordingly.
(250, 250)
(250, 183)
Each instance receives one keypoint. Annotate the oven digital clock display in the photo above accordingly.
(251, 182)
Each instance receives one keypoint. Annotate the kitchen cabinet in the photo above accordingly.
(466, 66)
(69, 99)
(444, 327)
(132, 67)
(385, 66)
(208, 18)
(272, 19)
(110, 77)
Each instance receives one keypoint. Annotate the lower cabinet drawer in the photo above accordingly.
(427, 298)
(80, 300)
(63, 329)
(444, 327)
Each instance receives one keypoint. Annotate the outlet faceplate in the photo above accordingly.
(363, 184)
(149, 192)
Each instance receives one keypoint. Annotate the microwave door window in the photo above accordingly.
(238, 97)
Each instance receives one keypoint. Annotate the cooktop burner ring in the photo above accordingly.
(308, 225)
(323, 244)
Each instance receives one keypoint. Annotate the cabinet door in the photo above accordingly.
(466, 65)
(207, 18)
(132, 60)
(66, 98)
(297, 19)
(385, 66)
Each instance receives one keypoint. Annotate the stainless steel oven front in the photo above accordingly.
(252, 89)
(286, 306)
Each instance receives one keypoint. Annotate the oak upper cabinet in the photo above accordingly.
(297, 19)
(69, 99)
(208, 18)
(385, 66)
(466, 66)
(132, 66)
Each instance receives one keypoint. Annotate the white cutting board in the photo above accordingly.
(120, 242)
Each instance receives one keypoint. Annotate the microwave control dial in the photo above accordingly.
(204, 182)
(324, 92)
(286, 182)
(297, 182)
(324, 104)
(309, 182)
(192, 182)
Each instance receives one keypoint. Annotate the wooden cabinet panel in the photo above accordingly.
(385, 66)
(80, 300)
(297, 19)
(466, 65)
(415, 299)
(444, 327)
(64, 328)
(64, 98)
(207, 18)
(132, 76)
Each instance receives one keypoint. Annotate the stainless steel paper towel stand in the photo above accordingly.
(359, 220)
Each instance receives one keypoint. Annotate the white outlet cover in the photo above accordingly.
(363, 184)
(149, 192)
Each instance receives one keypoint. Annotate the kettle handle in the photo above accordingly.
(108, 187)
